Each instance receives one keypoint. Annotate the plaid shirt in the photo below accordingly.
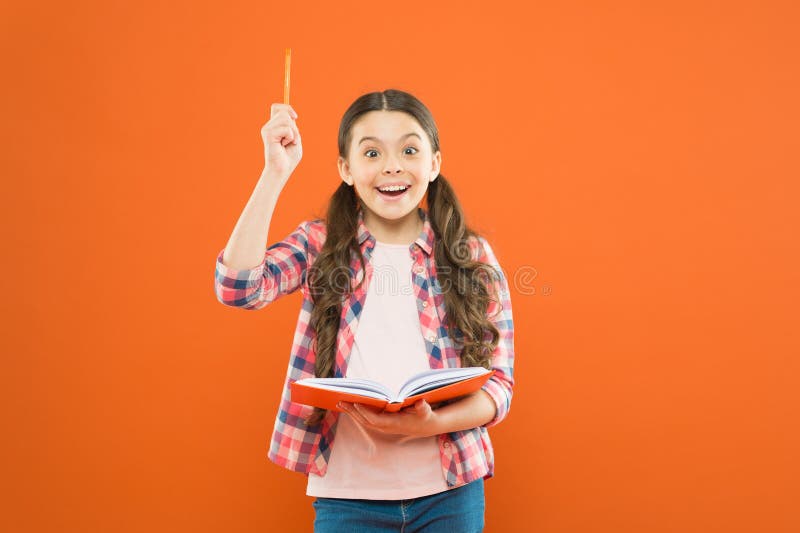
(465, 455)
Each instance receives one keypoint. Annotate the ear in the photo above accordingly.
(344, 171)
(436, 166)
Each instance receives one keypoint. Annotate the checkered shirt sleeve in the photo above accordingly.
(500, 385)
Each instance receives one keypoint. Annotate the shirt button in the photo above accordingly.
(424, 304)
(432, 338)
(446, 444)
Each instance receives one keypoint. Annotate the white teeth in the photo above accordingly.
(394, 188)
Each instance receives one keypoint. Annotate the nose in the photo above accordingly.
(392, 166)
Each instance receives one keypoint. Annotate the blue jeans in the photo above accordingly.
(455, 510)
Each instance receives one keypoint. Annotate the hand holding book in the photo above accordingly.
(418, 420)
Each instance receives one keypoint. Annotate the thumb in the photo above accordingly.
(423, 406)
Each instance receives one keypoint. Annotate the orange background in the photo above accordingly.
(635, 164)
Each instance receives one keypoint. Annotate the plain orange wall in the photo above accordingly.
(635, 165)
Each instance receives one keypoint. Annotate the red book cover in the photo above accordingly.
(321, 393)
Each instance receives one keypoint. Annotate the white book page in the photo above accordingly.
(364, 387)
(433, 379)
(361, 392)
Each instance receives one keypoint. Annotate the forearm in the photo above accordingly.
(245, 248)
(471, 411)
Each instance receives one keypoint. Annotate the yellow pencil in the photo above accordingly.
(287, 64)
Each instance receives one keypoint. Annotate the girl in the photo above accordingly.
(389, 289)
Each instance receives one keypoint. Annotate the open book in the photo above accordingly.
(433, 385)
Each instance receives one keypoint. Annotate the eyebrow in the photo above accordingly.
(378, 140)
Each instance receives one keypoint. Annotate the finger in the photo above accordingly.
(350, 409)
(295, 137)
(276, 108)
(281, 118)
(367, 409)
(365, 416)
(423, 407)
(374, 418)
(281, 134)
(275, 124)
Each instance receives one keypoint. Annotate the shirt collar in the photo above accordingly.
(424, 240)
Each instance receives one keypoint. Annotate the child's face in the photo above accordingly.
(389, 148)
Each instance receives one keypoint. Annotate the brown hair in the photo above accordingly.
(329, 278)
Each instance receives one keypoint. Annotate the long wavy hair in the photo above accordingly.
(464, 282)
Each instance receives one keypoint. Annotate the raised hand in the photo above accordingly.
(283, 148)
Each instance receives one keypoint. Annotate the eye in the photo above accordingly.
(412, 152)
(368, 152)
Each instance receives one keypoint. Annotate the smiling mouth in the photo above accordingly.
(393, 194)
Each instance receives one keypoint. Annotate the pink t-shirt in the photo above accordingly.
(388, 348)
